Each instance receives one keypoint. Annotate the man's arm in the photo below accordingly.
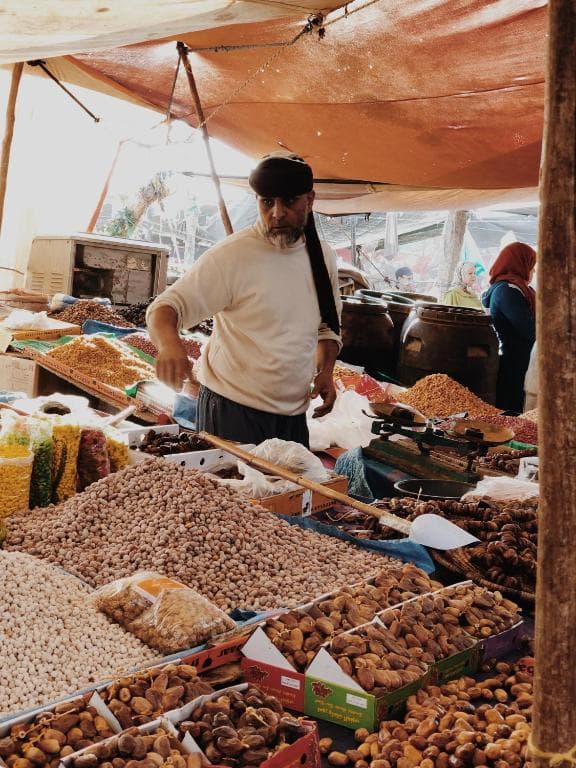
(326, 354)
(172, 363)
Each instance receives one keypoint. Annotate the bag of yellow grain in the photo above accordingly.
(15, 473)
(65, 447)
(117, 447)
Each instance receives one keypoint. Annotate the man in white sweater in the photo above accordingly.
(273, 291)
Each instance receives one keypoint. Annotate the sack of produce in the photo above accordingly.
(163, 613)
(93, 459)
(15, 471)
(65, 446)
(41, 444)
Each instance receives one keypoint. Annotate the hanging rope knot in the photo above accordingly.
(554, 758)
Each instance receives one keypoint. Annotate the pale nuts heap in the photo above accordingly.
(158, 516)
(53, 641)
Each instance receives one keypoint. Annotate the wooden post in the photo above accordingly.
(454, 231)
(183, 53)
(555, 684)
(8, 134)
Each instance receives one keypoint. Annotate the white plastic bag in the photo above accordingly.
(503, 489)
(23, 319)
(345, 426)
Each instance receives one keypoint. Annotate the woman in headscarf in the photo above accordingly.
(512, 305)
(461, 292)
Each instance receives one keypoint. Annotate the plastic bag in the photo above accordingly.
(292, 456)
(503, 489)
(15, 472)
(23, 319)
(14, 429)
(164, 614)
(93, 459)
(41, 444)
(65, 446)
(528, 469)
(346, 425)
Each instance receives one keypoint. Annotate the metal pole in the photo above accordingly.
(183, 53)
(355, 259)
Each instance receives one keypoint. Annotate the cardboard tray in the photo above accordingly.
(301, 502)
(63, 329)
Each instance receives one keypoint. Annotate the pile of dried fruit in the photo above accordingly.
(299, 634)
(135, 314)
(51, 736)
(506, 461)
(439, 395)
(53, 641)
(480, 612)
(161, 444)
(242, 728)
(158, 516)
(145, 696)
(159, 749)
(85, 309)
(106, 360)
(461, 724)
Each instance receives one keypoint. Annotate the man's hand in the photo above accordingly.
(324, 388)
(173, 365)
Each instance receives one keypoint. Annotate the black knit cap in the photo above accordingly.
(281, 176)
(289, 175)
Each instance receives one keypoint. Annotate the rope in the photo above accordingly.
(555, 758)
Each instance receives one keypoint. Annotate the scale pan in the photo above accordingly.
(481, 431)
(398, 412)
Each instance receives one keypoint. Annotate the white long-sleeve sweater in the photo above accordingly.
(266, 319)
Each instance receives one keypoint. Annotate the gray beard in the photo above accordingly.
(284, 239)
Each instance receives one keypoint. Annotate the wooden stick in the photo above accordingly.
(392, 521)
(9, 133)
(554, 713)
(183, 53)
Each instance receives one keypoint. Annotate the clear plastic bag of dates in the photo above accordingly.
(93, 459)
(163, 613)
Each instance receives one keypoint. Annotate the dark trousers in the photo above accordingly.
(225, 418)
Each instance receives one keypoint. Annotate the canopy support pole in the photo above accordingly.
(8, 134)
(554, 715)
(183, 53)
(100, 204)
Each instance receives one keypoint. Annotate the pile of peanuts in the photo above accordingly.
(104, 359)
(461, 724)
(53, 641)
(299, 634)
(144, 696)
(159, 516)
(439, 395)
(51, 736)
(85, 309)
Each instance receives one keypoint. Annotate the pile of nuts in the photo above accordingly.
(481, 613)
(461, 724)
(242, 728)
(439, 395)
(144, 343)
(299, 634)
(159, 516)
(159, 749)
(53, 641)
(85, 309)
(103, 359)
(145, 696)
(160, 444)
(51, 736)
(380, 659)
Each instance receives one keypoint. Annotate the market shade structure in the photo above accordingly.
(430, 94)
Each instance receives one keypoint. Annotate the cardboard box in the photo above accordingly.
(303, 753)
(19, 374)
(302, 502)
(499, 646)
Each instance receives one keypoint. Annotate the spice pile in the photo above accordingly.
(85, 309)
(439, 395)
(531, 415)
(53, 641)
(144, 343)
(158, 516)
(103, 359)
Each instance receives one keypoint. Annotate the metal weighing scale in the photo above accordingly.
(426, 450)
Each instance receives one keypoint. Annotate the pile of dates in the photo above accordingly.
(133, 748)
(299, 634)
(144, 696)
(462, 724)
(242, 728)
(51, 736)
(159, 444)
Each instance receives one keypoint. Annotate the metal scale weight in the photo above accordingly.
(409, 441)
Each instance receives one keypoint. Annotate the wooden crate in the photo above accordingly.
(294, 503)
(18, 374)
